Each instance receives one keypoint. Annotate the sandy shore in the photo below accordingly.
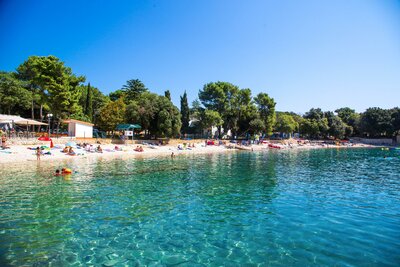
(22, 153)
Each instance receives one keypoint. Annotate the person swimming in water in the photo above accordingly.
(65, 171)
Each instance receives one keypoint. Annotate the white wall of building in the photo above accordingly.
(82, 130)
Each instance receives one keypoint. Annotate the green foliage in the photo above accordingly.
(13, 95)
(45, 84)
(89, 103)
(143, 111)
(211, 118)
(220, 97)
(285, 123)
(266, 108)
(315, 124)
(54, 83)
(168, 119)
(167, 94)
(185, 113)
(112, 114)
(80, 116)
(351, 118)
(257, 125)
(242, 112)
(377, 122)
(114, 96)
(337, 128)
(156, 114)
(396, 120)
(310, 127)
(133, 89)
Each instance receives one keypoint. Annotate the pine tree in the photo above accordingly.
(184, 113)
(167, 94)
(89, 103)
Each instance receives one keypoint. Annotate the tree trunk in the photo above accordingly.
(41, 112)
(33, 110)
(58, 128)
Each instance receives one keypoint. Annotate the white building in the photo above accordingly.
(79, 128)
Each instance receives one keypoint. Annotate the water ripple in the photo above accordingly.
(287, 208)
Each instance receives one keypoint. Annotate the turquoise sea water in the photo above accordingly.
(323, 207)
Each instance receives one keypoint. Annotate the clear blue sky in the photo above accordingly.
(305, 54)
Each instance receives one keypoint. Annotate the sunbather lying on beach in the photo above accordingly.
(71, 152)
(139, 149)
(99, 149)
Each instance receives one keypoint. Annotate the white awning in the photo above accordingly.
(19, 120)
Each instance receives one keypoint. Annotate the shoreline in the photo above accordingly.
(20, 154)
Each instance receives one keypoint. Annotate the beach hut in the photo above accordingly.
(77, 128)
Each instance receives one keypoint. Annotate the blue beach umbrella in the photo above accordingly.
(71, 144)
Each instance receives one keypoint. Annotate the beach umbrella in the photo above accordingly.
(71, 144)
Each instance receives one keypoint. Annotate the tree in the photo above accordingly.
(310, 127)
(133, 89)
(168, 119)
(13, 94)
(156, 114)
(167, 94)
(351, 118)
(266, 108)
(314, 114)
(242, 112)
(285, 123)
(211, 118)
(185, 113)
(220, 97)
(377, 122)
(143, 110)
(99, 101)
(117, 94)
(396, 120)
(195, 110)
(89, 103)
(55, 83)
(256, 125)
(112, 114)
(337, 128)
(319, 119)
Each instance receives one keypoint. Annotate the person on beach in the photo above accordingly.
(66, 171)
(3, 141)
(99, 149)
(38, 153)
(1, 137)
(139, 149)
(71, 152)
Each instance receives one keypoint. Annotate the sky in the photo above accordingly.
(304, 54)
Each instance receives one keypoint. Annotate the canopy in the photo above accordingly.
(29, 122)
(127, 127)
(19, 120)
